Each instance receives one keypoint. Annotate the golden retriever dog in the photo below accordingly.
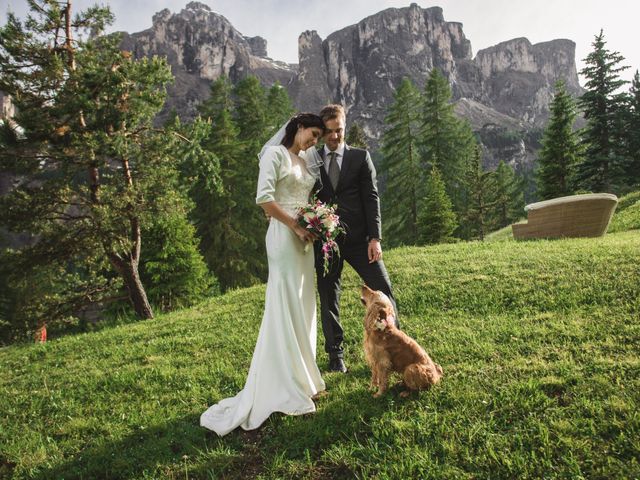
(388, 349)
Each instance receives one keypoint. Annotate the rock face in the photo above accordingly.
(8, 180)
(7, 110)
(364, 63)
(258, 46)
(502, 137)
(506, 88)
(518, 78)
(504, 91)
(311, 86)
(200, 46)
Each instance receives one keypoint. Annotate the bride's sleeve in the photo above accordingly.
(269, 171)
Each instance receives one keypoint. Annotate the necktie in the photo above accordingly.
(334, 169)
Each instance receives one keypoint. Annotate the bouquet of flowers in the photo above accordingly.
(322, 220)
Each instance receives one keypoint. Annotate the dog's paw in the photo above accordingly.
(405, 393)
(377, 395)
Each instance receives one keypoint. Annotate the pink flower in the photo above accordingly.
(321, 219)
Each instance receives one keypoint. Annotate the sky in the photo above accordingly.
(485, 22)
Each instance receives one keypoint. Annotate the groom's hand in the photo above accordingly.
(375, 250)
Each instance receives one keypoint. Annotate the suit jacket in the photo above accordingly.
(356, 195)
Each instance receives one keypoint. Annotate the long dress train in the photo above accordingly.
(283, 375)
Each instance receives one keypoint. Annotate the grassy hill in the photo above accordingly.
(538, 341)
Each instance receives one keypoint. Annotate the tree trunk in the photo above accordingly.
(137, 295)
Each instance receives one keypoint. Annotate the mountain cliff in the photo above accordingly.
(200, 46)
(504, 91)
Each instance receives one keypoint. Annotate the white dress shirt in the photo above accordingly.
(339, 156)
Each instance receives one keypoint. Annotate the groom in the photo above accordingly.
(348, 181)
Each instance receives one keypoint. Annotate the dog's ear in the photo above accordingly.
(365, 292)
(365, 288)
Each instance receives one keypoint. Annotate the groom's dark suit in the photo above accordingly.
(356, 196)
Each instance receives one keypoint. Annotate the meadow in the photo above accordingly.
(538, 341)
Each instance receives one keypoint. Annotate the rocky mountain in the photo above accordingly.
(7, 109)
(504, 91)
(200, 46)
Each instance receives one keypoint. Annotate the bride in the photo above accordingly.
(283, 376)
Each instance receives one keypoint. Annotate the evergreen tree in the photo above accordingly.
(400, 167)
(560, 148)
(7, 298)
(33, 295)
(436, 218)
(228, 222)
(279, 108)
(86, 142)
(633, 134)
(173, 269)
(508, 197)
(446, 141)
(480, 185)
(356, 137)
(251, 116)
(601, 169)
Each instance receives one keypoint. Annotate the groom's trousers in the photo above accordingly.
(374, 276)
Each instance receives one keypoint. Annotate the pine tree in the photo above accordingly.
(279, 108)
(560, 148)
(508, 197)
(446, 141)
(437, 221)
(401, 168)
(228, 222)
(7, 298)
(601, 169)
(37, 294)
(356, 137)
(173, 269)
(251, 116)
(480, 185)
(96, 166)
(633, 134)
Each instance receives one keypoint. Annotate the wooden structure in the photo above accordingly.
(586, 215)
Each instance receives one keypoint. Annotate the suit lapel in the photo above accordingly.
(326, 183)
(346, 164)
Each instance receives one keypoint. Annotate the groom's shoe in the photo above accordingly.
(337, 365)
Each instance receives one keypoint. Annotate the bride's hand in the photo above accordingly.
(304, 235)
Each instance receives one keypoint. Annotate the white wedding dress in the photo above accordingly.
(283, 375)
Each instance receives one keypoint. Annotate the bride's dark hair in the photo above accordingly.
(305, 120)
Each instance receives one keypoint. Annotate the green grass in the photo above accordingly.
(627, 215)
(538, 341)
(505, 233)
(628, 200)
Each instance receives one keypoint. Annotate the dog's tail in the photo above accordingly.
(420, 376)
